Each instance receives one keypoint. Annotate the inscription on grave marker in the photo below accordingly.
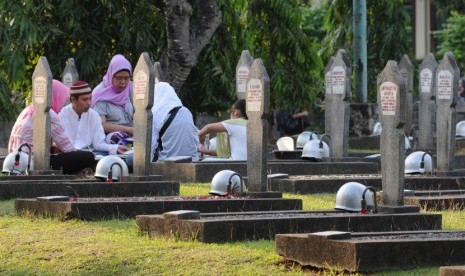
(426, 80)
(444, 85)
(388, 91)
(140, 85)
(254, 95)
(40, 88)
(338, 76)
(242, 74)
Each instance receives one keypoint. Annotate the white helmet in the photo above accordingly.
(352, 195)
(418, 162)
(304, 137)
(285, 144)
(17, 163)
(377, 128)
(460, 129)
(227, 182)
(109, 168)
(315, 150)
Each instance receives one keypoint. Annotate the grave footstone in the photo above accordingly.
(70, 74)
(392, 109)
(340, 110)
(144, 84)
(328, 100)
(42, 100)
(447, 78)
(406, 70)
(427, 109)
(258, 100)
(158, 72)
(242, 71)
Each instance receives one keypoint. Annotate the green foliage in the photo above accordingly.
(453, 38)
(91, 32)
(387, 26)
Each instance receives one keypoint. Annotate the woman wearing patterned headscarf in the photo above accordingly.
(112, 98)
(68, 158)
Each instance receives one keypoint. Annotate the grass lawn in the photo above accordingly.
(44, 246)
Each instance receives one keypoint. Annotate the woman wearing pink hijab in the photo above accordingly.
(68, 159)
(112, 98)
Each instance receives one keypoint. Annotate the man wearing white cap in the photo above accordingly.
(82, 124)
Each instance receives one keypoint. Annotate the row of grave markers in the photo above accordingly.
(253, 77)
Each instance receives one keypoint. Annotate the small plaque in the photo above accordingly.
(241, 79)
(40, 89)
(140, 85)
(254, 95)
(338, 77)
(68, 79)
(444, 85)
(388, 93)
(426, 80)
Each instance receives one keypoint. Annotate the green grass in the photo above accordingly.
(45, 246)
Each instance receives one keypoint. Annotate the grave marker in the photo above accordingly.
(42, 101)
(144, 84)
(328, 101)
(70, 74)
(392, 108)
(242, 71)
(406, 70)
(340, 101)
(158, 72)
(427, 110)
(257, 102)
(447, 78)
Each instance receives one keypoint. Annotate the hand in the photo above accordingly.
(122, 149)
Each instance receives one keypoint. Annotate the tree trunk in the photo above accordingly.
(186, 41)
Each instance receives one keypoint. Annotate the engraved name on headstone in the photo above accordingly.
(427, 108)
(144, 85)
(70, 74)
(42, 100)
(447, 78)
(257, 107)
(392, 108)
(242, 71)
(340, 105)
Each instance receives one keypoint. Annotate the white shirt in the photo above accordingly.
(237, 131)
(85, 132)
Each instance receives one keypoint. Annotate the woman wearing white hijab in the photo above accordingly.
(180, 138)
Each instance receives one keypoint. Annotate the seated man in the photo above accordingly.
(82, 124)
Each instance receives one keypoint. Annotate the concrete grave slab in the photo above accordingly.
(86, 188)
(228, 227)
(204, 171)
(452, 270)
(332, 183)
(368, 252)
(129, 207)
(452, 200)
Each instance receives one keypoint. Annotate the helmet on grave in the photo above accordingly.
(111, 163)
(377, 129)
(349, 197)
(304, 137)
(315, 150)
(418, 162)
(17, 163)
(460, 129)
(227, 182)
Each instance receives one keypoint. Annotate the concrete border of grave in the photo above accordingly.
(369, 252)
(228, 227)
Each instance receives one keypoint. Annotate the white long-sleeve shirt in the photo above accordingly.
(85, 132)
